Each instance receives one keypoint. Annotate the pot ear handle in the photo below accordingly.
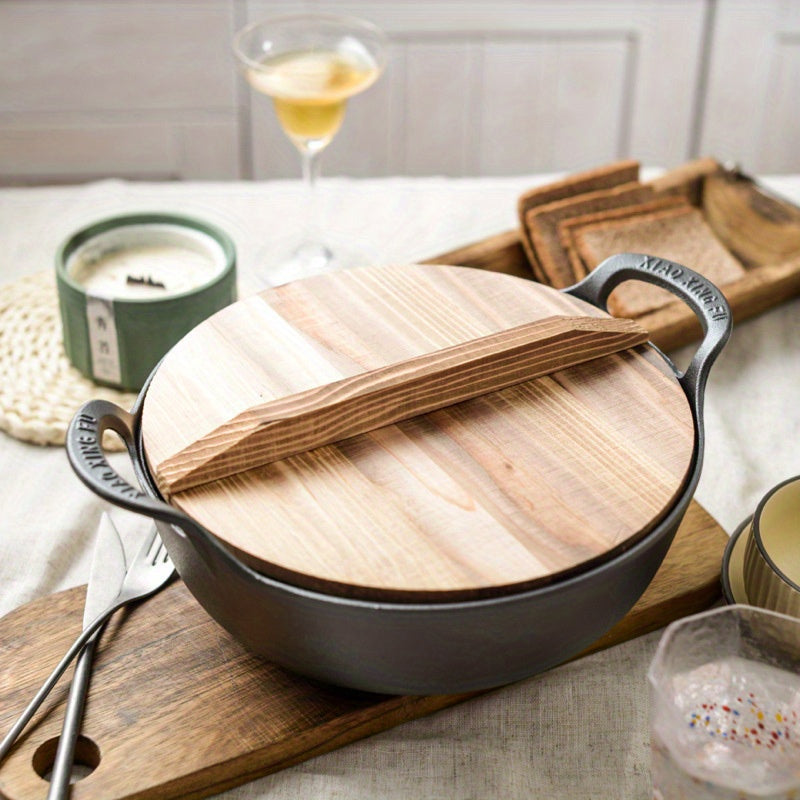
(707, 302)
(86, 456)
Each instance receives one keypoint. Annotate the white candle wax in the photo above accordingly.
(145, 262)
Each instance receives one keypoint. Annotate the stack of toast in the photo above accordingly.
(571, 226)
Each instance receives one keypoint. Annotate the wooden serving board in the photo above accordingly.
(177, 708)
(493, 495)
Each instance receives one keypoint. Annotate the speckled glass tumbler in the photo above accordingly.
(725, 694)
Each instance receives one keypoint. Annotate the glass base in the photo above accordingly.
(284, 262)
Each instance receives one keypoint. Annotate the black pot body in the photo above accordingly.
(419, 649)
(408, 648)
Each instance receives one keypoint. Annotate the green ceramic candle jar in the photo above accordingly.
(130, 287)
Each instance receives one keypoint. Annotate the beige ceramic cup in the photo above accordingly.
(772, 553)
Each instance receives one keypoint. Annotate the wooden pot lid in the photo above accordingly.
(501, 493)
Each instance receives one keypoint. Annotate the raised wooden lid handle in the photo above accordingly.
(326, 414)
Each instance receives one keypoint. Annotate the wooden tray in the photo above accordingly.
(177, 708)
(761, 229)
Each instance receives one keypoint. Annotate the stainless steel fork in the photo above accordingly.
(150, 569)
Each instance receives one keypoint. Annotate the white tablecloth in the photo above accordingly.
(580, 731)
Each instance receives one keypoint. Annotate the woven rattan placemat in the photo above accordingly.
(40, 391)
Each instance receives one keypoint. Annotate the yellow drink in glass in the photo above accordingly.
(310, 88)
(310, 65)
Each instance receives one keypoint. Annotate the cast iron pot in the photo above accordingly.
(416, 648)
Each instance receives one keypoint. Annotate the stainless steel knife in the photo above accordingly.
(105, 579)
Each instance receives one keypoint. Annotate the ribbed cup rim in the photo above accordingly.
(758, 539)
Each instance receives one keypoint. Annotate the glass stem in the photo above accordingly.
(311, 167)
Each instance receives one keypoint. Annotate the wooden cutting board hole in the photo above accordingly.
(85, 761)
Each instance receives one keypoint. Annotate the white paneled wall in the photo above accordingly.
(753, 106)
(92, 88)
(505, 88)
(104, 88)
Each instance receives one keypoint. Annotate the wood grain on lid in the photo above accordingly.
(494, 494)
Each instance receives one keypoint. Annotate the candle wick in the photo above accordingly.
(148, 281)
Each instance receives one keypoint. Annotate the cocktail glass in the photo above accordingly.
(310, 65)
(725, 694)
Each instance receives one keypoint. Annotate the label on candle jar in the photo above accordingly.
(103, 339)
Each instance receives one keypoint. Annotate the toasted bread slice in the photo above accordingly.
(678, 234)
(543, 221)
(591, 180)
(568, 226)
